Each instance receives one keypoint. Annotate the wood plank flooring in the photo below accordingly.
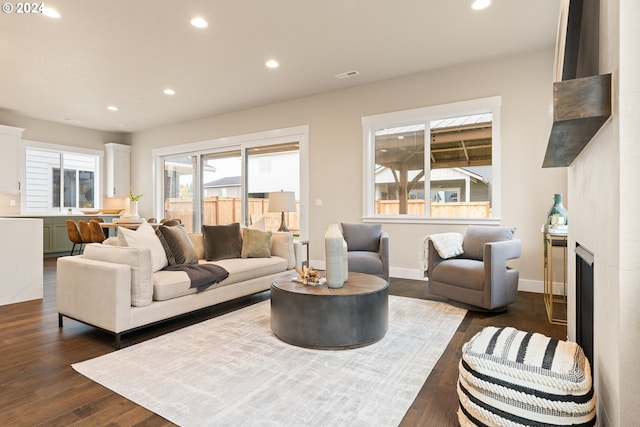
(38, 387)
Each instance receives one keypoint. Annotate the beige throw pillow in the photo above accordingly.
(256, 243)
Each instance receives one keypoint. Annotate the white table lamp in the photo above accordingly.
(282, 201)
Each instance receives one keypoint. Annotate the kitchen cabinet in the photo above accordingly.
(9, 172)
(118, 170)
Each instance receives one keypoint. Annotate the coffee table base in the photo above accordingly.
(331, 319)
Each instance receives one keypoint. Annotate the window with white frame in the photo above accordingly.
(434, 163)
(58, 178)
(229, 180)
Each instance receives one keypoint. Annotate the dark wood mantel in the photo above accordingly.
(580, 108)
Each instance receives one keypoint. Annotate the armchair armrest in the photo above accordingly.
(503, 280)
(383, 251)
(433, 258)
(502, 251)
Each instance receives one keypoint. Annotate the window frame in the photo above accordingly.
(370, 124)
(61, 150)
(243, 143)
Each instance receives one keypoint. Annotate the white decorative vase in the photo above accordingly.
(336, 257)
(133, 210)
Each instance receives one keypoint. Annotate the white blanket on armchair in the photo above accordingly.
(447, 245)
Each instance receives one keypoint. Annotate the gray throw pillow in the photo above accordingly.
(177, 245)
(222, 241)
(476, 236)
(362, 237)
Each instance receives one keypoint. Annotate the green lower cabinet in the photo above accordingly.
(55, 239)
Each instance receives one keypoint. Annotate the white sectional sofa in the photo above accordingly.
(114, 288)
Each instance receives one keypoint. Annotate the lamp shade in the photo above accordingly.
(282, 201)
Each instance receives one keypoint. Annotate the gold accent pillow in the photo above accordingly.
(256, 243)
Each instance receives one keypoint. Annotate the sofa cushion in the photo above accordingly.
(282, 246)
(256, 243)
(139, 259)
(177, 245)
(362, 237)
(222, 241)
(145, 237)
(476, 236)
(173, 284)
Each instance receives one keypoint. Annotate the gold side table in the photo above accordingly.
(555, 294)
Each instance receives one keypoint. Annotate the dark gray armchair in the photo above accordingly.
(368, 249)
(479, 278)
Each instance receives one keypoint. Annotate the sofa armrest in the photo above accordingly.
(94, 292)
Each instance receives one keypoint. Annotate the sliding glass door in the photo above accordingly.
(270, 169)
(221, 186)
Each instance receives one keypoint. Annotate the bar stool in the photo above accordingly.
(74, 235)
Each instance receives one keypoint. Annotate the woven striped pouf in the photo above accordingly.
(509, 377)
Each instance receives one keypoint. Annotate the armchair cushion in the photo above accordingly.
(362, 237)
(461, 272)
(476, 236)
(365, 262)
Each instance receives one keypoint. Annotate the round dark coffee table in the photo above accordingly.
(320, 317)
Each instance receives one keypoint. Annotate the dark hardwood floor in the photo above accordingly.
(38, 387)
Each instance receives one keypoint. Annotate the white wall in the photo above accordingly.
(335, 140)
(603, 187)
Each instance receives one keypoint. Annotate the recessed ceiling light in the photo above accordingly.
(199, 22)
(480, 4)
(112, 108)
(51, 13)
(272, 63)
(169, 91)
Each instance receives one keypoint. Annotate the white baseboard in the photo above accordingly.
(525, 285)
(406, 273)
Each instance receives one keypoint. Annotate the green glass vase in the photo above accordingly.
(558, 216)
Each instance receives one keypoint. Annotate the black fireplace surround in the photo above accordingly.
(584, 300)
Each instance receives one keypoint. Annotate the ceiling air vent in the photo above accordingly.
(347, 74)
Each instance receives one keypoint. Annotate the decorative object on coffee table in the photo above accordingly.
(282, 201)
(335, 249)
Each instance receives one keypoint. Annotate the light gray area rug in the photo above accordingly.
(232, 371)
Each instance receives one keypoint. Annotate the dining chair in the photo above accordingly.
(85, 231)
(74, 235)
(96, 232)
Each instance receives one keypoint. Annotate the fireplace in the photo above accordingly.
(584, 300)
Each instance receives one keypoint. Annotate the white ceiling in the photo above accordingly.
(125, 52)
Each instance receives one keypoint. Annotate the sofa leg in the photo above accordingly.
(59, 320)
(118, 341)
